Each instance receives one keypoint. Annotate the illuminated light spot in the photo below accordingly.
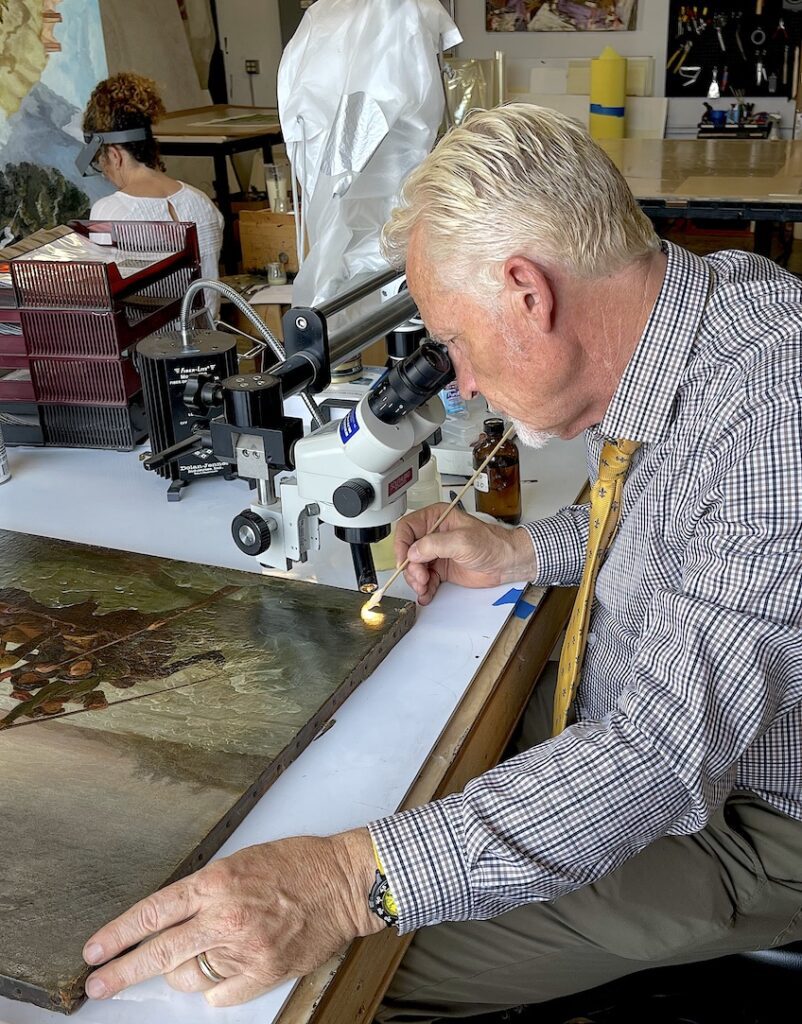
(371, 616)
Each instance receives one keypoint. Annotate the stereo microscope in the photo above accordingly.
(354, 473)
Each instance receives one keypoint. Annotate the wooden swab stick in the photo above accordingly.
(375, 598)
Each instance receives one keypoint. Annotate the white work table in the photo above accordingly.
(355, 771)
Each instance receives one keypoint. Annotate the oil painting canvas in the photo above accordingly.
(145, 706)
(560, 15)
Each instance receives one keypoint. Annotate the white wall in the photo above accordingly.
(147, 36)
(250, 30)
(649, 39)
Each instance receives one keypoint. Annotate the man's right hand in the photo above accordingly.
(463, 550)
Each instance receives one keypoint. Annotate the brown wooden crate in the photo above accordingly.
(264, 236)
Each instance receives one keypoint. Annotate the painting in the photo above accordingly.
(52, 54)
(145, 706)
(560, 15)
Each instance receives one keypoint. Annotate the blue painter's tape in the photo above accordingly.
(349, 425)
(523, 609)
(597, 108)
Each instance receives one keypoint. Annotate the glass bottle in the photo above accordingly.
(497, 489)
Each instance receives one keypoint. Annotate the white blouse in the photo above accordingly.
(187, 204)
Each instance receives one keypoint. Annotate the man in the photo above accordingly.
(662, 821)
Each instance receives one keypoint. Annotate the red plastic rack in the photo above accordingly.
(70, 323)
(80, 308)
(84, 381)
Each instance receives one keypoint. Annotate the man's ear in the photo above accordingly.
(529, 292)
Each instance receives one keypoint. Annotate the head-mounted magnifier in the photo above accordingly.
(94, 141)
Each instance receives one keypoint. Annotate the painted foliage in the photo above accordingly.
(52, 55)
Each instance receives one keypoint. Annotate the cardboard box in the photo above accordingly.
(264, 237)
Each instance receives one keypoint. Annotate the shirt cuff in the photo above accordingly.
(422, 851)
(559, 544)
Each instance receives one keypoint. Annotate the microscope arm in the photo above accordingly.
(201, 439)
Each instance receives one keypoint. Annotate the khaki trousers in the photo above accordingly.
(735, 886)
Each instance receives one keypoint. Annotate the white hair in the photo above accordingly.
(518, 180)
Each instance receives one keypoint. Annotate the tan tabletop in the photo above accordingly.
(730, 170)
(204, 122)
(219, 131)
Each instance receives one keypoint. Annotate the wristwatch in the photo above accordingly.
(381, 900)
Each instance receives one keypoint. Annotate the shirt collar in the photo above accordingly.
(642, 405)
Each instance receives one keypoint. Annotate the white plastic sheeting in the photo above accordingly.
(360, 101)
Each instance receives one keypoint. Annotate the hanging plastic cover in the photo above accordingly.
(360, 100)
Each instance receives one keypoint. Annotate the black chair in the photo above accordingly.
(764, 987)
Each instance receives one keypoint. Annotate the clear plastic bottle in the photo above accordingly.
(454, 402)
(497, 489)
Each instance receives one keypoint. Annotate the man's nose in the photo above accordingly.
(466, 384)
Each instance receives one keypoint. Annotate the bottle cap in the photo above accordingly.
(494, 427)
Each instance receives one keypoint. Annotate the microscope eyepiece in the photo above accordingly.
(411, 382)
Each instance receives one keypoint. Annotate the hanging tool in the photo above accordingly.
(690, 74)
(738, 40)
(719, 22)
(679, 55)
(725, 78)
(760, 70)
(786, 50)
(781, 32)
(713, 91)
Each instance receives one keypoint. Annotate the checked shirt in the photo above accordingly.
(691, 685)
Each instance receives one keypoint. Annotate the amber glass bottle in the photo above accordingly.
(497, 489)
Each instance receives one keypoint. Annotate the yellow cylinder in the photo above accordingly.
(608, 92)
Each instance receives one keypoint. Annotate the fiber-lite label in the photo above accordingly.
(349, 425)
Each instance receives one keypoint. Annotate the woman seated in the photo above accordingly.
(145, 192)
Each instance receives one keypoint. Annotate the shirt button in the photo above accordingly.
(591, 639)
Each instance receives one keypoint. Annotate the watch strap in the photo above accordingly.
(380, 900)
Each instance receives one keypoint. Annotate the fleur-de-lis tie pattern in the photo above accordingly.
(605, 509)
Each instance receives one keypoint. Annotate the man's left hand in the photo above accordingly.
(266, 913)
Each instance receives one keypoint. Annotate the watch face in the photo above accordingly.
(389, 904)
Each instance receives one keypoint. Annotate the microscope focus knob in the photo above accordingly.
(353, 498)
(250, 532)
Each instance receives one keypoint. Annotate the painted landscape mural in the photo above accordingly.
(52, 55)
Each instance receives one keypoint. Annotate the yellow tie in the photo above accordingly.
(605, 508)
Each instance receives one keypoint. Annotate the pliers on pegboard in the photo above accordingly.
(781, 32)
(679, 55)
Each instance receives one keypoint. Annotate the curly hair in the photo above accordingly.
(127, 101)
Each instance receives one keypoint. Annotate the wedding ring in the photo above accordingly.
(207, 970)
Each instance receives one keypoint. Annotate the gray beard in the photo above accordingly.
(530, 437)
(526, 435)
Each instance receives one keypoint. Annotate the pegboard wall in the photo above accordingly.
(752, 49)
